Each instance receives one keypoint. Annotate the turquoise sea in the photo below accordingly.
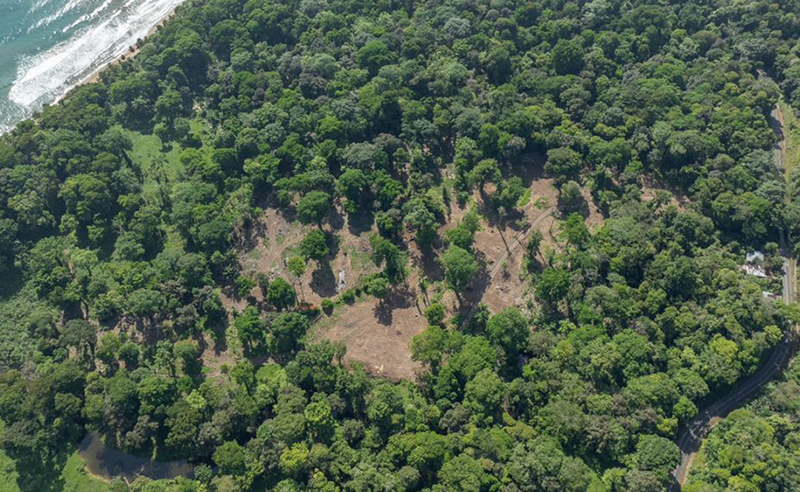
(49, 46)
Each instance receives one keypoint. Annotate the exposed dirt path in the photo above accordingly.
(516, 242)
(692, 435)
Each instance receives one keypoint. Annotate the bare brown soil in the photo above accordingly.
(378, 333)
(651, 187)
(278, 239)
(594, 219)
(215, 356)
(271, 241)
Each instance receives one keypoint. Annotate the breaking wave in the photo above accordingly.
(101, 33)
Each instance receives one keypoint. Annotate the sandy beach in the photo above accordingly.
(132, 51)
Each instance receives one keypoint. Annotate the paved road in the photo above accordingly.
(691, 437)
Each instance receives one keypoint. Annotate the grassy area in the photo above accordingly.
(360, 261)
(149, 153)
(326, 321)
(525, 198)
(542, 203)
(792, 129)
(16, 346)
(72, 477)
(290, 251)
(77, 479)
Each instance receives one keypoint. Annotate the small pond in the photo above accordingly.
(106, 462)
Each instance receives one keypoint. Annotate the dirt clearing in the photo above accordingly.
(376, 332)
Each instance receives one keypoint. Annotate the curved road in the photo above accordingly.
(692, 435)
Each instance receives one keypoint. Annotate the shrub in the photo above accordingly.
(435, 313)
(280, 294)
(244, 285)
(348, 296)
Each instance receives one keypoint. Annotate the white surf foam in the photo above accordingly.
(37, 5)
(45, 21)
(87, 17)
(44, 78)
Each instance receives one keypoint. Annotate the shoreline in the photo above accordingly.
(131, 51)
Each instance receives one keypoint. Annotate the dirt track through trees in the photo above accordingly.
(515, 244)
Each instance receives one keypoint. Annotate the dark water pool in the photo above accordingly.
(107, 462)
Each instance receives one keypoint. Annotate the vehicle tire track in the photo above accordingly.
(515, 243)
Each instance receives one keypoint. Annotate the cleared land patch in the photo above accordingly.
(377, 333)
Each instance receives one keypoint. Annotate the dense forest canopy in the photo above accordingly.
(392, 113)
(756, 447)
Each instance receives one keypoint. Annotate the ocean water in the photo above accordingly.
(49, 46)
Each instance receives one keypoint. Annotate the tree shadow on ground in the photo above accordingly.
(530, 167)
(399, 297)
(333, 241)
(360, 222)
(217, 333)
(383, 313)
(428, 260)
(335, 220)
(474, 293)
(508, 227)
(248, 236)
(288, 213)
(323, 280)
(581, 208)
